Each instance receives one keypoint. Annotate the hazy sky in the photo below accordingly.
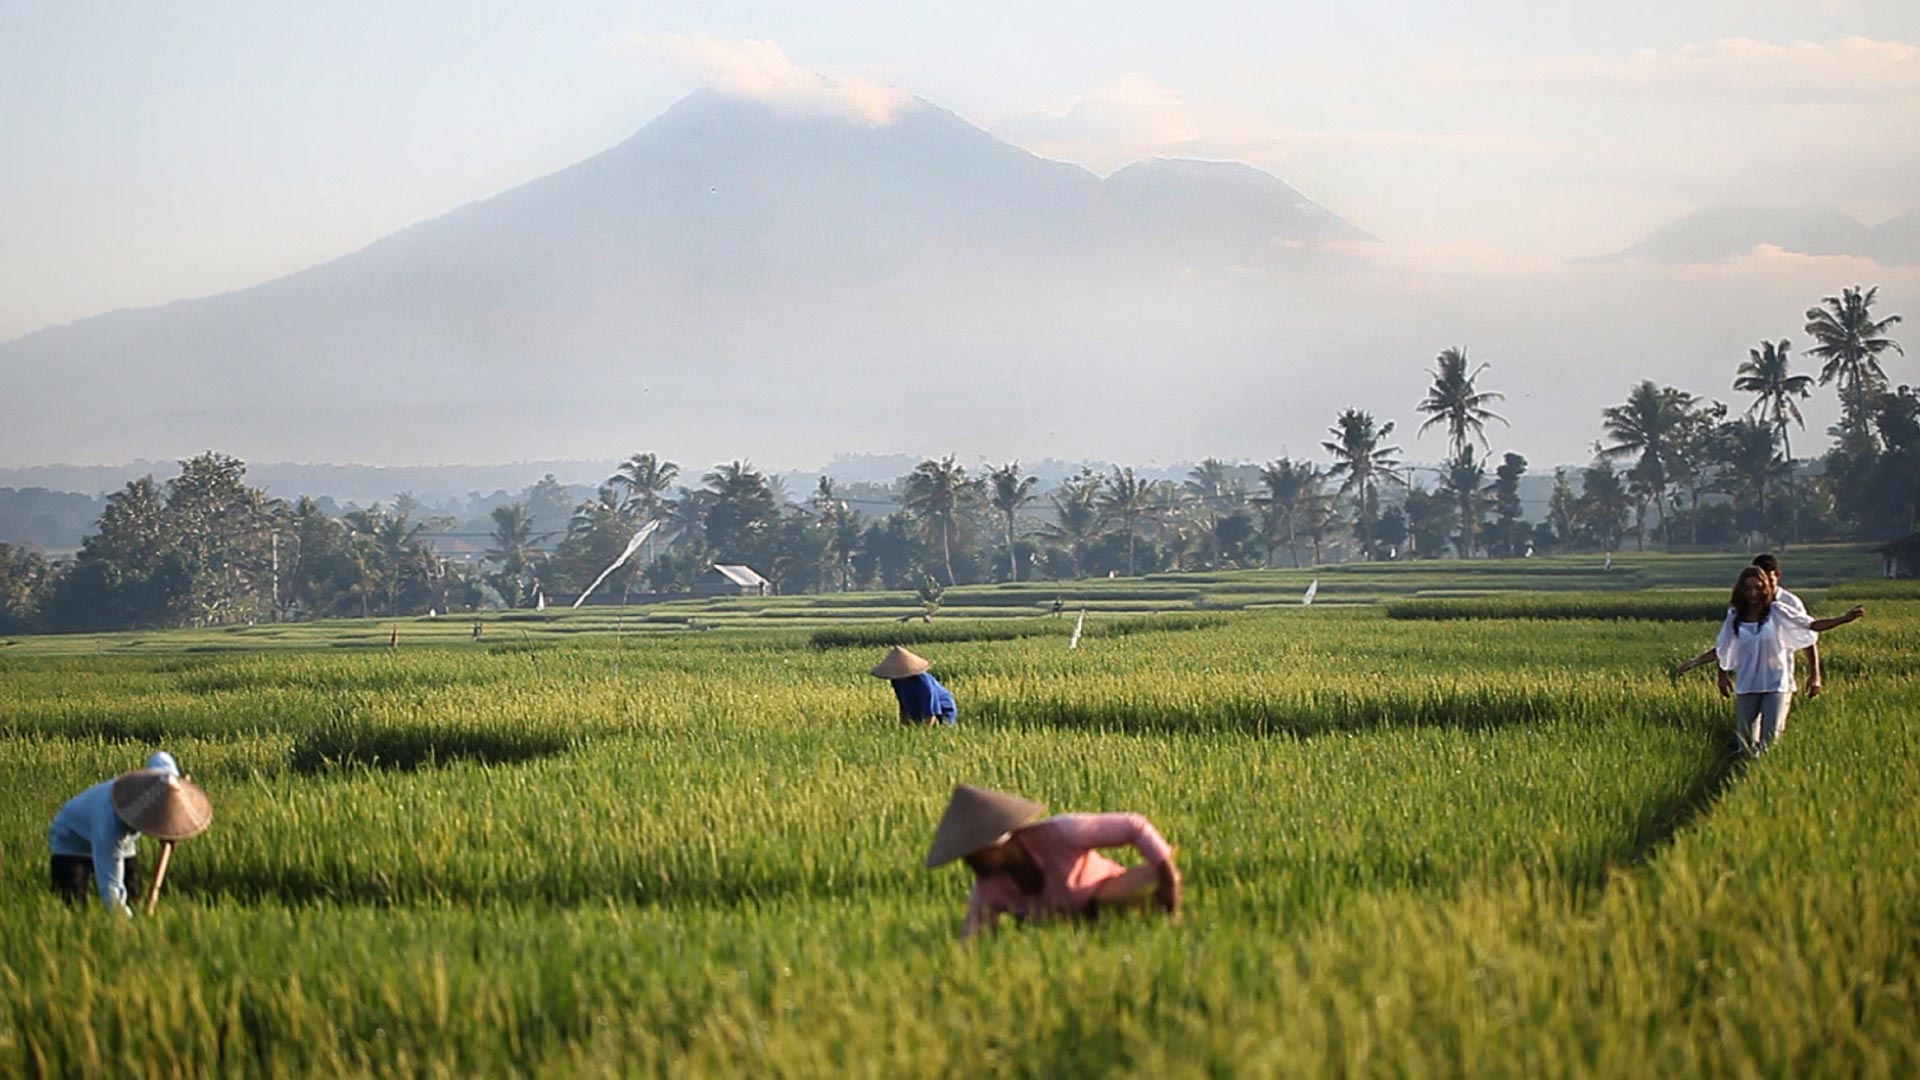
(158, 151)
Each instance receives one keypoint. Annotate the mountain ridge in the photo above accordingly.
(677, 261)
(1724, 230)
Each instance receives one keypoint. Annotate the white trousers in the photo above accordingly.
(1760, 718)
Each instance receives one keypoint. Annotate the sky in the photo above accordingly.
(154, 152)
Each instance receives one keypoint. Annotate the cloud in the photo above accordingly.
(1134, 118)
(1849, 69)
(1127, 120)
(761, 70)
(1771, 260)
(1412, 264)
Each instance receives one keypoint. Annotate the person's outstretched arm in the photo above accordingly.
(1705, 657)
(1717, 650)
(1823, 625)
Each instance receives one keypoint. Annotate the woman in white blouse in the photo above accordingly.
(1755, 649)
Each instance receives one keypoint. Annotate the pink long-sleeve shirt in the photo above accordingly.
(1063, 847)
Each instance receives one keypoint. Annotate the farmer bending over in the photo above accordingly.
(97, 832)
(1038, 869)
(922, 699)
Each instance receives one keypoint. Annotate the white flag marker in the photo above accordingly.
(1313, 589)
(1079, 624)
(633, 545)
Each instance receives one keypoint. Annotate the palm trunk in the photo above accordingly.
(1793, 502)
(1013, 560)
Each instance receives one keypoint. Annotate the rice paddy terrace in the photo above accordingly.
(1451, 819)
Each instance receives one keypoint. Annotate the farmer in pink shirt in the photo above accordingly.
(1037, 868)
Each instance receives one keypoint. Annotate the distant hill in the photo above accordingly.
(1724, 230)
(731, 255)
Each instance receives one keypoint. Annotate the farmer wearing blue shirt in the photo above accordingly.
(922, 699)
(97, 833)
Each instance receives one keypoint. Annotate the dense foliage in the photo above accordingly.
(1673, 469)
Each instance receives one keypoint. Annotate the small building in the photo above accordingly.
(731, 580)
(1901, 558)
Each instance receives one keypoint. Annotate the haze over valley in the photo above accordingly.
(745, 279)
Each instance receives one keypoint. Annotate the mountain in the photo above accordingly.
(731, 255)
(1896, 242)
(1725, 230)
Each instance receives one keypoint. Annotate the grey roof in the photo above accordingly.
(1905, 543)
(738, 574)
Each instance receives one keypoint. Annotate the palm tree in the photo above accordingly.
(1173, 521)
(1766, 375)
(1319, 515)
(1505, 491)
(1464, 478)
(1292, 488)
(1747, 451)
(1850, 344)
(388, 545)
(1359, 458)
(595, 513)
(597, 534)
(1651, 424)
(513, 548)
(843, 541)
(646, 479)
(1603, 503)
(1008, 491)
(739, 510)
(1562, 508)
(936, 491)
(1076, 524)
(1127, 501)
(1213, 485)
(1452, 400)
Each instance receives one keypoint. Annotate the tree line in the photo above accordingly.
(1672, 467)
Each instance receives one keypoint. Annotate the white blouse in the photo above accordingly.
(1760, 655)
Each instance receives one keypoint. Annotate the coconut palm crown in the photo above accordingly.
(1452, 400)
(1768, 376)
(1850, 344)
(1360, 463)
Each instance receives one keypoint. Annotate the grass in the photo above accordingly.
(1490, 846)
(1677, 605)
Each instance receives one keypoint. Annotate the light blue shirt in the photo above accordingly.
(88, 826)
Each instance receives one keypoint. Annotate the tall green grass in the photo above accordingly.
(1489, 847)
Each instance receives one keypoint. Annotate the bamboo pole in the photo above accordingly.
(159, 875)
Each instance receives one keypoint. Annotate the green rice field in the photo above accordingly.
(1454, 819)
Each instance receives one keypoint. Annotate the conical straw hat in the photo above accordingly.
(162, 805)
(975, 818)
(899, 663)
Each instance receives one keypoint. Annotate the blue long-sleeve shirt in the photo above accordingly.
(922, 698)
(88, 826)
